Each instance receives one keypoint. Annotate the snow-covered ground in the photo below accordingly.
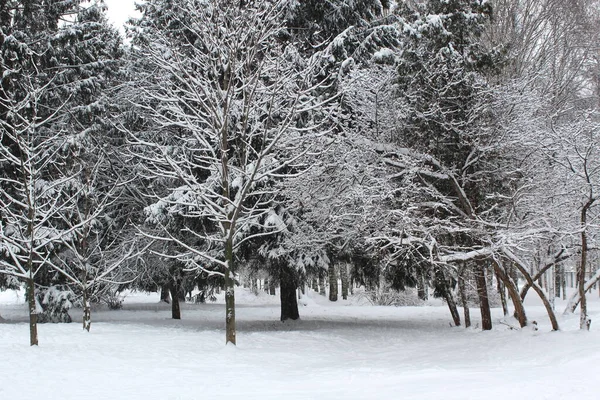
(338, 350)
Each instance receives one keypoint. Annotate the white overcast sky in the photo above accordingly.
(120, 10)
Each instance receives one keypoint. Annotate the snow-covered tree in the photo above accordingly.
(55, 58)
(226, 99)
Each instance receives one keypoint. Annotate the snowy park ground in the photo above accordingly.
(340, 350)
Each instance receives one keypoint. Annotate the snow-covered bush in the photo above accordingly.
(55, 303)
(384, 295)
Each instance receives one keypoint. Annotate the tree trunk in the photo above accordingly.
(584, 321)
(484, 304)
(564, 283)
(421, 286)
(164, 294)
(230, 332)
(558, 277)
(87, 311)
(452, 306)
(463, 296)
(344, 277)
(513, 292)
(333, 283)
(33, 333)
(322, 291)
(287, 294)
(502, 292)
(537, 289)
(175, 309)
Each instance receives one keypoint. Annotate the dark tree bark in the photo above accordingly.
(175, 308)
(344, 277)
(165, 294)
(484, 304)
(513, 292)
(288, 282)
(333, 283)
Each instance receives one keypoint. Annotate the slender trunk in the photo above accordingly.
(559, 257)
(33, 333)
(287, 294)
(175, 309)
(322, 291)
(584, 321)
(463, 296)
(421, 286)
(513, 292)
(502, 292)
(229, 308)
(87, 311)
(564, 283)
(344, 277)
(484, 304)
(333, 283)
(452, 306)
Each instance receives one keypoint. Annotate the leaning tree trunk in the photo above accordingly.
(333, 283)
(484, 304)
(513, 292)
(287, 293)
(175, 308)
(463, 296)
(33, 333)
(576, 296)
(538, 290)
(452, 306)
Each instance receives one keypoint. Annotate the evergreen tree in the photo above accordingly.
(53, 75)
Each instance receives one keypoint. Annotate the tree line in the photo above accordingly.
(441, 145)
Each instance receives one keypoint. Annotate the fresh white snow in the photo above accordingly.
(341, 350)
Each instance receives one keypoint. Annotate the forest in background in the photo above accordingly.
(447, 145)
